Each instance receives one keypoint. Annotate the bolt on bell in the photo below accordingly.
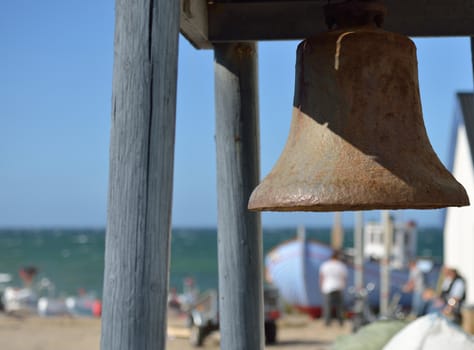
(357, 139)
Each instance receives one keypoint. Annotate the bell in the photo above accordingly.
(357, 139)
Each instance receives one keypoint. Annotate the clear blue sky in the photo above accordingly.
(55, 91)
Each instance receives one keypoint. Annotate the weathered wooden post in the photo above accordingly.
(141, 175)
(239, 231)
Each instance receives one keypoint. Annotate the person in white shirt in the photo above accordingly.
(332, 281)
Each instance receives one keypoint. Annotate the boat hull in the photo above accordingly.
(293, 267)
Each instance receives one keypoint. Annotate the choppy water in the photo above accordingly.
(74, 258)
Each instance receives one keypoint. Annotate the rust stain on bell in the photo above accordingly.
(357, 139)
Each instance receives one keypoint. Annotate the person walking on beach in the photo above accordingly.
(416, 285)
(332, 281)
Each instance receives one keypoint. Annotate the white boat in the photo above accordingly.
(31, 300)
(19, 300)
(293, 267)
(5, 278)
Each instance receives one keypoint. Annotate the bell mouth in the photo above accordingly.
(357, 139)
(323, 172)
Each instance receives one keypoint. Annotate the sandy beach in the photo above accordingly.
(296, 332)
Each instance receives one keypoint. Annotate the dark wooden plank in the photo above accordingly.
(239, 230)
(230, 21)
(141, 175)
(194, 23)
(274, 1)
(264, 20)
(301, 19)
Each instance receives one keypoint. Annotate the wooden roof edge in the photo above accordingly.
(204, 22)
(194, 23)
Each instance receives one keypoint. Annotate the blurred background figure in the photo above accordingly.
(25, 299)
(416, 285)
(450, 298)
(27, 275)
(332, 281)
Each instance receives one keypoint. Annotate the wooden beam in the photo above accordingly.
(239, 230)
(141, 175)
(280, 20)
(230, 21)
(264, 20)
(430, 18)
(193, 23)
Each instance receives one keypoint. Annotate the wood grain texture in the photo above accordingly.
(239, 231)
(141, 175)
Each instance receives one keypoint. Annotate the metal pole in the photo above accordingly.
(359, 250)
(141, 175)
(385, 263)
(239, 231)
(337, 233)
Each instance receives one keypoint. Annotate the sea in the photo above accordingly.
(73, 259)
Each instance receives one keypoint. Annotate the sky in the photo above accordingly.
(56, 64)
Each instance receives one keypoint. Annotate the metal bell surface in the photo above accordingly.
(357, 139)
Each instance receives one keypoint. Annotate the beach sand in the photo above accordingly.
(295, 332)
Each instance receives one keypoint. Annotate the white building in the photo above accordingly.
(403, 245)
(459, 222)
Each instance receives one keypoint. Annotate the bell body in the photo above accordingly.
(357, 139)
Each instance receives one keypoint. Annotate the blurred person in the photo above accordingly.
(416, 285)
(22, 299)
(332, 281)
(451, 296)
(27, 275)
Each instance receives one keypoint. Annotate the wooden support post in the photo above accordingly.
(239, 231)
(141, 175)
